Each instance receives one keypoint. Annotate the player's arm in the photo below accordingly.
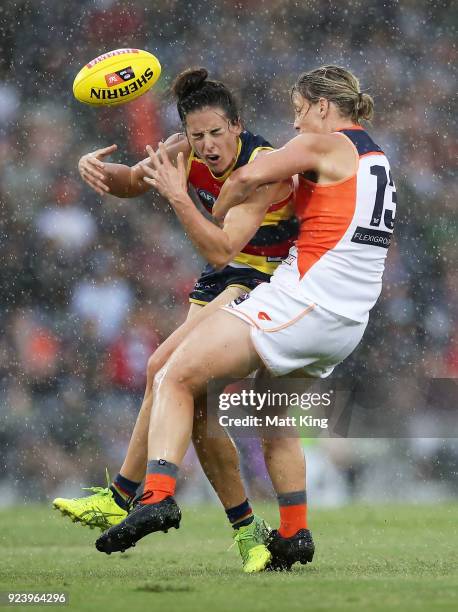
(218, 245)
(300, 154)
(241, 223)
(119, 179)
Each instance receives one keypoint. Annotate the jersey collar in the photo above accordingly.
(355, 126)
(223, 177)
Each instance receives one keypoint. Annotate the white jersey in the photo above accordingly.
(345, 230)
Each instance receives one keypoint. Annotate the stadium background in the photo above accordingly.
(89, 288)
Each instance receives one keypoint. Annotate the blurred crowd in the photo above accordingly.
(90, 287)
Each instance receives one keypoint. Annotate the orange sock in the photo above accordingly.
(293, 513)
(160, 485)
(292, 518)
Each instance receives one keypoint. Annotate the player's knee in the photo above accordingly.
(173, 377)
(153, 367)
(165, 376)
(157, 378)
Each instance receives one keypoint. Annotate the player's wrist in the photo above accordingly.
(180, 200)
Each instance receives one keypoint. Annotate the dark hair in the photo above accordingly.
(193, 91)
(339, 86)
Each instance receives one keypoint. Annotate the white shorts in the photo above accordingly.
(290, 334)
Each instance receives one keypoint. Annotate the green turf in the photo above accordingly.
(383, 558)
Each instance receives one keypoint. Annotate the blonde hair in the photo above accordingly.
(339, 86)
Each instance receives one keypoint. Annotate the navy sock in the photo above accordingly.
(240, 516)
(124, 490)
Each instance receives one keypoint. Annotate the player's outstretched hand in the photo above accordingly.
(91, 169)
(171, 182)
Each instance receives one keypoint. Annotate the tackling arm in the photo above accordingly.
(217, 245)
(298, 155)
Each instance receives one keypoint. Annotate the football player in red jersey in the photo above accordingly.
(214, 146)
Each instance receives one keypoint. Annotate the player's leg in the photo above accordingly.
(297, 338)
(108, 506)
(285, 463)
(220, 461)
(134, 464)
(218, 456)
(251, 533)
(218, 453)
(216, 464)
(219, 346)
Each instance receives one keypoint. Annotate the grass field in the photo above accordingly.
(398, 558)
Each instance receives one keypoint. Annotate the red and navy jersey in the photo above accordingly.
(279, 228)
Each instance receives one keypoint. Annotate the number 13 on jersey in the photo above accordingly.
(381, 222)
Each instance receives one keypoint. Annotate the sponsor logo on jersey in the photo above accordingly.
(375, 237)
(125, 90)
(239, 300)
(290, 259)
(118, 77)
(263, 316)
(207, 198)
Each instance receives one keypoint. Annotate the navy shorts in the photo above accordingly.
(213, 282)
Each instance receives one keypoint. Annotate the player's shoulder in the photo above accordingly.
(253, 140)
(318, 144)
(362, 140)
(250, 145)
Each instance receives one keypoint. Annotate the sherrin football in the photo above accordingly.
(116, 77)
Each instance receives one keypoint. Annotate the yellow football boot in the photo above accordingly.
(97, 510)
(252, 544)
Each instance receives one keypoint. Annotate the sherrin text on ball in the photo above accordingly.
(116, 77)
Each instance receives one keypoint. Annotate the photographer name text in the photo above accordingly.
(273, 421)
